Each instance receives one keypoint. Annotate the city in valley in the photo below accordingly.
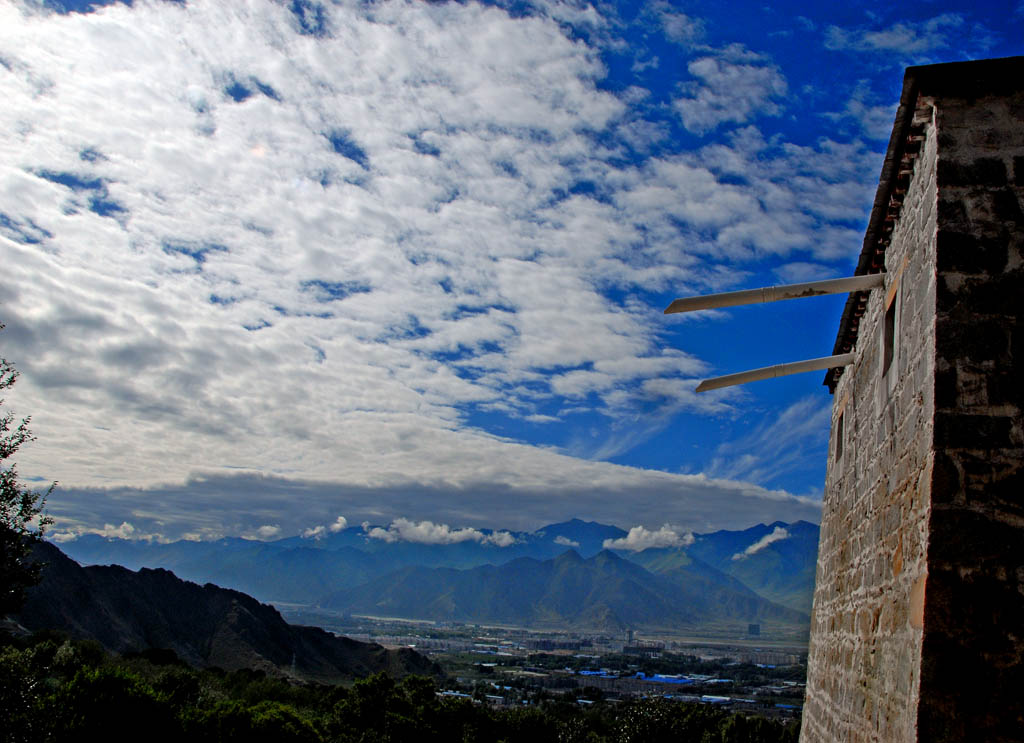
(508, 666)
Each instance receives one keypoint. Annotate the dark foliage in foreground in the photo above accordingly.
(22, 517)
(53, 689)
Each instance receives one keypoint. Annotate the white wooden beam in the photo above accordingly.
(779, 370)
(776, 293)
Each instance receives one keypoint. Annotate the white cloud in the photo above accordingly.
(320, 531)
(795, 438)
(904, 38)
(63, 536)
(522, 493)
(126, 530)
(729, 91)
(566, 542)
(799, 271)
(500, 539)
(678, 27)
(640, 538)
(427, 532)
(424, 272)
(315, 532)
(376, 240)
(267, 531)
(782, 198)
(873, 121)
(777, 534)
(538, 418)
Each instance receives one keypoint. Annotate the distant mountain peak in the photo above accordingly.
(603, 591)
(304, 571)
(569, 556)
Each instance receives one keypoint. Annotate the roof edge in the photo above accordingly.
(957, 78)
(869, 261)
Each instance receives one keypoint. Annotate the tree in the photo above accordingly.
(22, 518)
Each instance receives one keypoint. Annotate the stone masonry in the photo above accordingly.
(917, 629)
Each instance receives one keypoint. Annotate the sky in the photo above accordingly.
(267, 264)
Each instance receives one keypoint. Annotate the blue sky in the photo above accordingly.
(268, 264)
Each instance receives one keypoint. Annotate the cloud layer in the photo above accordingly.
(263, 267)
(338, 243)
(427, 532)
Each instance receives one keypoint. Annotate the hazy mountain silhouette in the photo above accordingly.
(602, 592)
(307, 570)
(204, 625)
(782, 571)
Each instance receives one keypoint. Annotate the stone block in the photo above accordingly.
(946, 388)
(1003, 493)
(994, 295)
(985, 171)
(952, 211)
(965, 252)
(948, 140)
(968, 541)
(963, 336)
(946, 479)
(960, 431)
(1006, 206)
(1005, 385)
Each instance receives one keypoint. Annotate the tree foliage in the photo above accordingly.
(54, 689)
(22, 518)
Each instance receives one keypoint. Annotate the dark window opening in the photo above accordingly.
(839, 437)
(889, 347)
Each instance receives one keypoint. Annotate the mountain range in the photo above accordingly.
(560, 575)
(603, 592)
(206, 626)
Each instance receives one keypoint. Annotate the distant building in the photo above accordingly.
(754, 630)
(917, 628)
(547, 643)
(645, 648)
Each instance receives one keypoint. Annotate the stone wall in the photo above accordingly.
(866, 622)
(972, 678)
(917, 629)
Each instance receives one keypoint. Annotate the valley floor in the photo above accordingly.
(762, 675)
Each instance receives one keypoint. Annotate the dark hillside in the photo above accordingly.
(205, 625)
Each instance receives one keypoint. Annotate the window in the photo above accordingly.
(889, 339)
(839, 437)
